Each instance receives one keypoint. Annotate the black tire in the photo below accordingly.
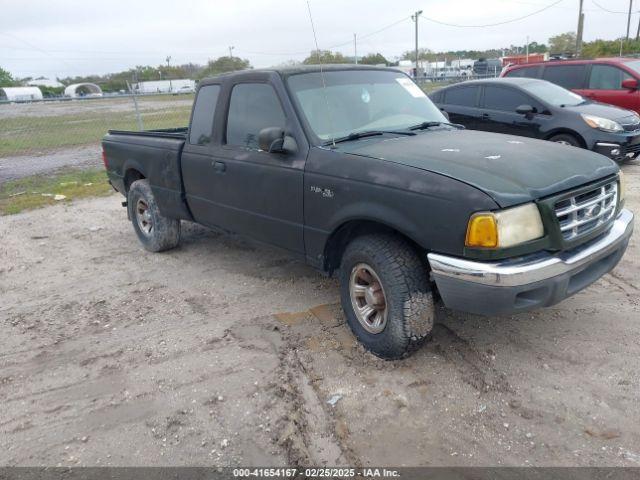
(409, 299)
(159, 233)
(566, 139)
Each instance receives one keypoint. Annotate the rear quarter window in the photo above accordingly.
(203, 113)
(436, 97)
(567, 76)
(525, 72)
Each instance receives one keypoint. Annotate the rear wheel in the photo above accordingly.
(566, 139)
(155, 231)
(385, 295)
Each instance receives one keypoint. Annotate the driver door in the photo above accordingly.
(253, 192)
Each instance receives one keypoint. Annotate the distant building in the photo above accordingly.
(45, 82)
(78, 90)
(20, 94)
(183, 85)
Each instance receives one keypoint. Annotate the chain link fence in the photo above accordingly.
(54, 127)
(44, 127)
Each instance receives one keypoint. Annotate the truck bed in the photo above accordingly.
(151, 154)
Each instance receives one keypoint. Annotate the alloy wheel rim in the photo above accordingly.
(368, 298)
(143, 216)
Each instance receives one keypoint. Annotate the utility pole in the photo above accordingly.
(168, 73)
(638, 31)
(355, 49)
(527, 48)
(415, 18)
(629, 18)
(580, 29)
(231, 51)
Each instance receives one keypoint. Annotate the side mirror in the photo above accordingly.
(525, 110)
(444, 112)
(630, 84)
(271, 140)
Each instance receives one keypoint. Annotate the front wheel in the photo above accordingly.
(386, 296)
(566, 139)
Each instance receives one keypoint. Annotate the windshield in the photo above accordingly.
(553, 94)
(360, 100)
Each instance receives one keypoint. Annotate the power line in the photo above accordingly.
(348, 42)
(497, 23)
(609, 11)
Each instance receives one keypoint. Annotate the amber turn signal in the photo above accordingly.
(482, 231)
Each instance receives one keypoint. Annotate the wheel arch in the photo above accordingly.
(566, 131)
(132, 172)
(356, 227)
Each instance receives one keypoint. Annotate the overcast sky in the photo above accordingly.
(69, 37)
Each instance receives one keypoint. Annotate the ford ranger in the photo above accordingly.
(355, 171)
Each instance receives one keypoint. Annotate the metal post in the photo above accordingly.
(355, 49)
(527, 48)
(580, 29)
(629, 18)
(415, 18)
(135, 104)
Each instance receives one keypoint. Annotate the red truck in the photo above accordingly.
(608, 80)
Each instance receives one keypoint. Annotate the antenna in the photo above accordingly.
(324, 85)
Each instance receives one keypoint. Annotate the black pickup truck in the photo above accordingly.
(355, 171)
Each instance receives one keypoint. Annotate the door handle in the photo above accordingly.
(219, 167)
(485, 116)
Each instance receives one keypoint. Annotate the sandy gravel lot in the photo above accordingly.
(20, 166)
(224, 353)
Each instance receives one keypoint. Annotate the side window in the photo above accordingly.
(504, 99)
(567, 76)
(606, 77)
(203, 112)
(253, 106)
(465, 96)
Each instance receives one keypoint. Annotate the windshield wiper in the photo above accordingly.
(425, 125)
(368, 133)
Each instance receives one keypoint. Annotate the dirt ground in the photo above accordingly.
(223, 353)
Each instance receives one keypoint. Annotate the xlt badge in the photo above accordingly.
(326, 192)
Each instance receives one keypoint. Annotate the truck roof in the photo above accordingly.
(295, 69)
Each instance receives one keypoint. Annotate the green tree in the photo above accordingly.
(563, 43)
(374, 59)
(224, 64)
(324, 57)
(423, 54)
(6, 80)
(609, 48)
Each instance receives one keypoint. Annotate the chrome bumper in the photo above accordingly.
(531, 281)
(534, 268)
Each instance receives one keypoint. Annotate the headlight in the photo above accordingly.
(622, 186)
(602, 123)
(504, 228)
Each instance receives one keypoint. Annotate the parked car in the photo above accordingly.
(541, 109)
(355, 171)
(607, 80)
(488, 67)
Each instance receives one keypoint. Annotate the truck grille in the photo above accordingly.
(584, 212)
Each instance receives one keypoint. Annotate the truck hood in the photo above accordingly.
(512, 170)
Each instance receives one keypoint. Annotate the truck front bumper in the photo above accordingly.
(531, 281)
